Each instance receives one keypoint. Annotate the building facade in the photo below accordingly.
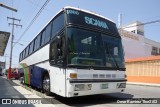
(135, 43)
(142, 55)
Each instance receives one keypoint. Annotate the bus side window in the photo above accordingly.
(53, 51)
(57, 25)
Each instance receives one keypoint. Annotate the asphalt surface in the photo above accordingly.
(12, 90)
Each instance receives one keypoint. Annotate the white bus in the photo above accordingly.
(77, 53)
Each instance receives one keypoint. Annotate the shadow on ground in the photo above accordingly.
(90, 100)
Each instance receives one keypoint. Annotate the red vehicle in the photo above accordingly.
(14, 75)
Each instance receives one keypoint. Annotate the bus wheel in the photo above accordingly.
(46, 85)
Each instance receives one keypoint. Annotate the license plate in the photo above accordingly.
(104, 86)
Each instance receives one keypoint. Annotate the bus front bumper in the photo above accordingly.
(82, 87)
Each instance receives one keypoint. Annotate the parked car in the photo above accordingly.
(14, 75)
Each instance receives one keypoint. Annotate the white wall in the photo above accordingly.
(139, 47)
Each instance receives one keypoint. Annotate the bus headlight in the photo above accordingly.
(79, 87)
(89, 86)
(121, 85)
(82, 87)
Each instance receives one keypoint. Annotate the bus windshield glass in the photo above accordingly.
(113, 51)
(88, 48)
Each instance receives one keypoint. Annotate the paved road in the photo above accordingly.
(106, 100)
(110, 100)
(143, 91)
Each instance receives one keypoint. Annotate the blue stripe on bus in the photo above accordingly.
(36, 75)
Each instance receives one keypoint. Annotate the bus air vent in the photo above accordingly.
(95, 75)
(113, 75)
(108, 75)
(101, 76)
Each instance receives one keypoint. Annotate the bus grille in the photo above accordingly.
(103, 76)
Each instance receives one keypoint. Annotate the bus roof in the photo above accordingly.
(69, 7)
(86, 11)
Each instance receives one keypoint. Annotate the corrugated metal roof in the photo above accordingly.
(149, 58)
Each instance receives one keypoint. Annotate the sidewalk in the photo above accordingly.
(9, 89)
(143, 84)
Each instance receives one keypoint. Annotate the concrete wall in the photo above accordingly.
(143, 71)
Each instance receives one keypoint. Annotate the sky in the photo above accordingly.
(131, 10)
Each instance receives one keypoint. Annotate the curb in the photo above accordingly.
(42, 95)
(143, 84)
(34, 91)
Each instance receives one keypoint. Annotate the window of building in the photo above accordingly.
(140, 32)
(133, 31)
(154, 51)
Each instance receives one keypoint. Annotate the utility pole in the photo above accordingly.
(12, 38)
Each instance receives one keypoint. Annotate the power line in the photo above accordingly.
(151, 18)
(30, 24)
(155, 21)
(31, 2)
(26, 18)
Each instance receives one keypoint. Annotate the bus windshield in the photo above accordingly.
(88, 48)
(113, 51)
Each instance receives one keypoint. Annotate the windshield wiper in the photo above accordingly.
(114, 60)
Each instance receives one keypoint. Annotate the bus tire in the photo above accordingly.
(46, 84)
